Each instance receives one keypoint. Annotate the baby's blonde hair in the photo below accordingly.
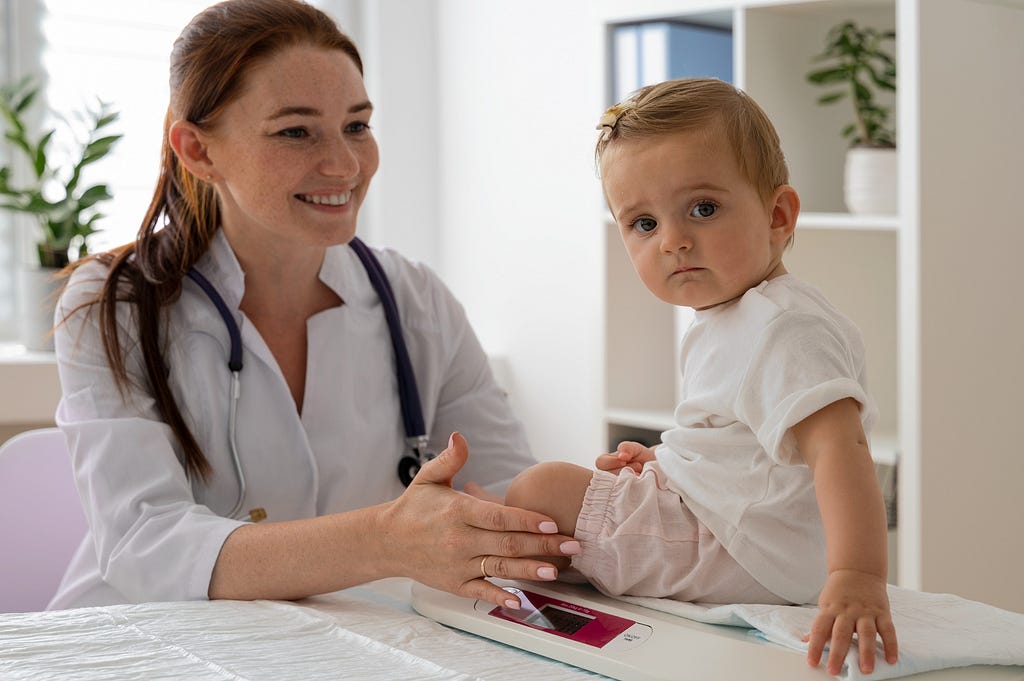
(687, 104)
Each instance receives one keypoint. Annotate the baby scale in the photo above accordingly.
(579, 626)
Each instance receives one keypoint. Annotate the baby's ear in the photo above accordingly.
(785, 207)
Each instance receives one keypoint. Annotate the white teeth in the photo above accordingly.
(328, 200)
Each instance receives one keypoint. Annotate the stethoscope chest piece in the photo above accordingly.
(408, 467)
(410, 464)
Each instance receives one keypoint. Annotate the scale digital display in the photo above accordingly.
(570, 620)
(554, 618)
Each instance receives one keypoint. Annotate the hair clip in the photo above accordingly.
(610, 118)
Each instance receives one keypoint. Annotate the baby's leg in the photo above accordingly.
(556, 489)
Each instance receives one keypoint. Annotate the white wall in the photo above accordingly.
(484, 113)
(398, 41)
(971, 317)
(521, 237)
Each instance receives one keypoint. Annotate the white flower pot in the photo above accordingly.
(870, 181)
(37, 290)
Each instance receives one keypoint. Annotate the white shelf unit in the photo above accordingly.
(930, 287)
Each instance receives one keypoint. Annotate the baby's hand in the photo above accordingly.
(629, 455)
(852, 602)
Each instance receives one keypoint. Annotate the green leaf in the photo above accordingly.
(93, 195)
(832, 97)
(855, 56)
(826, 76)
(40, 155)
(74, 214)
(99, 148)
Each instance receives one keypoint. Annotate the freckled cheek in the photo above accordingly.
(370, 160)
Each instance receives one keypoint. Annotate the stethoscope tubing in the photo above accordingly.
(412, 411)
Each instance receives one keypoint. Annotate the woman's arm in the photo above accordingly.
(854, 599)
(431, 533)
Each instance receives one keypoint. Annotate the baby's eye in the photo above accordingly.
(704, 209)
(644, 225)
(294, 133)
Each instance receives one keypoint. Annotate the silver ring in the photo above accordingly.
(483, 566)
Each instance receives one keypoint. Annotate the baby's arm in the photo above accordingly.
(854, 598)
(628, 455)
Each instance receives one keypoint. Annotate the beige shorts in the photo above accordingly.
(640, 539)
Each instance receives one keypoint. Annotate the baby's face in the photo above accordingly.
(696, 230)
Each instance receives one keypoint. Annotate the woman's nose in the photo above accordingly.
(339, 159)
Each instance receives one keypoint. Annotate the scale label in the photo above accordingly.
(561, 618)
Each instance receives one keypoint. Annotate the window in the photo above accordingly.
(112, 49)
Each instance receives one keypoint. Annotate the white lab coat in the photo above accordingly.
(155, 536)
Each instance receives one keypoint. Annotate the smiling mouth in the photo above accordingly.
(325, 199)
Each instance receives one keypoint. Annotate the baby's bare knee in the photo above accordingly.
(554, 488)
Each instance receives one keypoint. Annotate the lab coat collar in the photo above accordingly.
(222, 268)
(345, 275)
(341, 271)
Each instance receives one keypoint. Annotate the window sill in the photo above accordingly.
(29, 385)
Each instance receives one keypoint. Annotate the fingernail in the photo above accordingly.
(451, 440)
(547, 573)
(548, 527)
(512, 604)
(569, 548)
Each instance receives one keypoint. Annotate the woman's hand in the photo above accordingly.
(448, 540)
(852, 602)
(475, 490)
(628, 455)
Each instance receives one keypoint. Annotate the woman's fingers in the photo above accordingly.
(516, 568)
(442, 468)
(451, 540)
(475, 490)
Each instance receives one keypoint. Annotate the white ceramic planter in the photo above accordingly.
(37, 289)
(870, 181)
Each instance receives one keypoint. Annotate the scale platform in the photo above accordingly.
(579, 626)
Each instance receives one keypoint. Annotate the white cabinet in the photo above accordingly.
(936, 289)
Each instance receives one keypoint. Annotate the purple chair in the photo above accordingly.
(41, 518)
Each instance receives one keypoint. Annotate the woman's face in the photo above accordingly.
(292, 157)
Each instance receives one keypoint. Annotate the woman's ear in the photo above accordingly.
(785, 207)
(189, 145)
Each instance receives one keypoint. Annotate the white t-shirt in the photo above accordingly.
(752, 369)
(155, 536)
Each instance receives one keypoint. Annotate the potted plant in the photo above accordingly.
(857, 66)
(65, 210)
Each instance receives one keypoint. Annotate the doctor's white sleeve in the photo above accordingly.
(152, 540)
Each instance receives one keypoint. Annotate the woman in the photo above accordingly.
(267, 156)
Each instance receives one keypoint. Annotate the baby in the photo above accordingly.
(765, 490)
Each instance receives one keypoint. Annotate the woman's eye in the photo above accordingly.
(644, 225)
(704, 209)
(294, 133)
(358, 127)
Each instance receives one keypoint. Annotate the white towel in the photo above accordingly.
(935, 631)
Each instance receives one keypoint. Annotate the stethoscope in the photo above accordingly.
(412, 413)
